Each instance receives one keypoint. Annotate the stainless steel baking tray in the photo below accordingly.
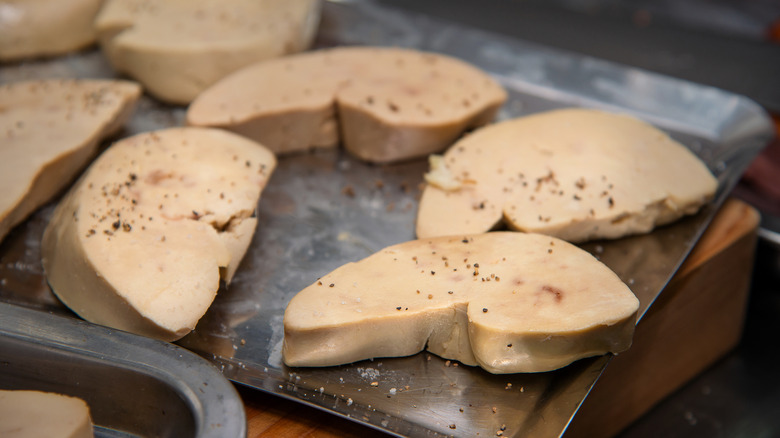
(324, 208)
(134, 386)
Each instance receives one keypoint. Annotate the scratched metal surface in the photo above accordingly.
(324, 209)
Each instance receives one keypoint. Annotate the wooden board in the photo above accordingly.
(697, 320)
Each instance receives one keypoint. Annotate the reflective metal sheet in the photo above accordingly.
(323, 209)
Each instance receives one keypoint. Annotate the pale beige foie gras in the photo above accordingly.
(508, 302)
(32, 28)
(140, 242)
(36, 414)
(383, 104)
(576, 174)
(177, 48)
(50, 129)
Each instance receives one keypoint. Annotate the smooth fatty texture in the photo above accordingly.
(576, 174)
(383, 104)
(36, 414)
(50, 130)
(177, 48)
(508, 302)
(38, 28)
(141, 241)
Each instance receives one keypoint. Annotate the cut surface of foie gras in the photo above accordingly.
(141, 241)
(36, 414)
(507, 302)
(50, 131)
(178, 48)
(38, 28)
(383, 104)
(576, 174)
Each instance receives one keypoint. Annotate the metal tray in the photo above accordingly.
(134, 386)
(323, 209)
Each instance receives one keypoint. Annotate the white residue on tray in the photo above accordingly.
(276, 341)
(368, 373)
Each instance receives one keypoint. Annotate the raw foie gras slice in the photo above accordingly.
(31, 28)
(36, 414)
(508, 302)
(576, 174)
(140, 242)
(388, 104)
(177, 48)
(50, 130)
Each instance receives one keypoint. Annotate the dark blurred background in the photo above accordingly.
(729, 44)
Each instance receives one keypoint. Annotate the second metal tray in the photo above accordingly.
(132, 385)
